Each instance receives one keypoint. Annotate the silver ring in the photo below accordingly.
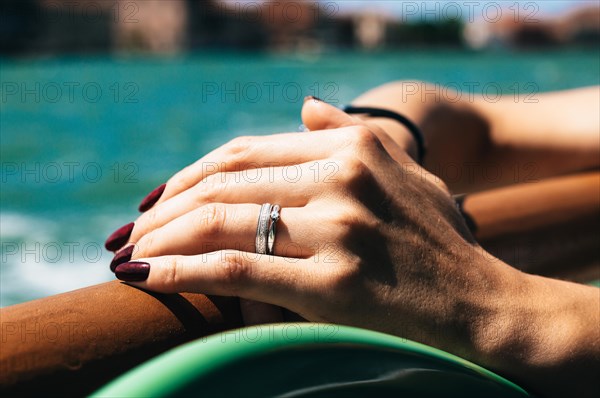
(262, 229)
(275, 216)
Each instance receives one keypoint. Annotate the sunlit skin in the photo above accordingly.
(380, 244)
(518, 137)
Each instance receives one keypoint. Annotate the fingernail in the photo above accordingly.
(312, 97)
(122, 257)
(133, 271)
(118, 238)
(152, 198)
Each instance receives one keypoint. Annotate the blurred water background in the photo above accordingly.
(85, 138)
(103, 100)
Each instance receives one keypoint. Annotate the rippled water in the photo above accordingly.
(84, 139)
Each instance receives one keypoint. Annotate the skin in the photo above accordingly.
(379, 244)
(476, 143)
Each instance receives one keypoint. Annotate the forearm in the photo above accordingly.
(475, 144)
(556, 133)
(544, 336)
(540, 333)
(548, 228)
(566, 120)
(72, 343)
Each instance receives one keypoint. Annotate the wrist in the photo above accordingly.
(482, 306)
(535, 331)
(503, 324)
(473, 319)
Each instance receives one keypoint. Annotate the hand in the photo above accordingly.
(364, 239)
(316, 117)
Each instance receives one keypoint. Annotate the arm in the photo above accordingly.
(475, 144)
(380, 246)
(542, 333)
(548, 228)
(125, 335)
(71, 344)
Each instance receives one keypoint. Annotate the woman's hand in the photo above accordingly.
(365, 239)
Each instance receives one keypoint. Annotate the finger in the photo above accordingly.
(257, 313)
(219, 226)
(319, 115)
(244, 153)
(281, 281)
(290, 186)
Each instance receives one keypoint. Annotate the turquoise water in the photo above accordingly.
(84, 139)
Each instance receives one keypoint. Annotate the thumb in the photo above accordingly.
(319, 115)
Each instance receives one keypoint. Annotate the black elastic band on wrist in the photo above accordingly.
(378, 112)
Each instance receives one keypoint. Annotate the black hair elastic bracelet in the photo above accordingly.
(378, 112)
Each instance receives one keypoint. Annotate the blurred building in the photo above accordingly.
(161, 26)
(155, 26)
(370, 30)
(580, 27)
(172, 26)
(282, 25)
(50, 26)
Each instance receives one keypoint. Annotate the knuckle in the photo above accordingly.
(144, 246)
(437, 181)
(355, 165)
(354, 223)
(364, 143)
(238, 147)
(235, 272)
(354, 172)
(442, 185)
(342, 220)
(371, 223)
(149, 221)
(210, 220)
(173, 276)
(178, 183)
(151, 217)
(209, 189)
(363, 137)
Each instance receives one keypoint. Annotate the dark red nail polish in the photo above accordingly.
(133, 271)
(118, 238)
(152, 198)
(121, 257)
(312, 97)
